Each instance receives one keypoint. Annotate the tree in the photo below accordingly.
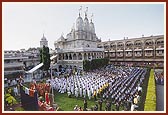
(45, 58)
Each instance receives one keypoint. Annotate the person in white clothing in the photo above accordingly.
(89, 93)
(76, 91)
(84, 93)
(80, 90)
(133, 107)
(72, 90)
(15, 89)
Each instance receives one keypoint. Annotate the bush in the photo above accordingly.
(94, 64)
(19, 109)
(10, 100)
(150, 103)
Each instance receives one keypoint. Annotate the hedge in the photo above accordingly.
(94, 64)
(150, 103)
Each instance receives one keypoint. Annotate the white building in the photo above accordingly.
(78, 45)
(43, 42)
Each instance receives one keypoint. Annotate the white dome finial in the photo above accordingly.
(86, 11)
(80, 9)
(91, 17)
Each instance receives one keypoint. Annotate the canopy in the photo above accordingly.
(35, 68)
(54, 56)
(39, 65)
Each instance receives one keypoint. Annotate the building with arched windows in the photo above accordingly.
(135, 50)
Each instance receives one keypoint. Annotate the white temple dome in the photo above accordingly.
(92, 28)
(79, 23)
(61, 39)
(86, 24)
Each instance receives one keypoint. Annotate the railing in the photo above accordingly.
(128, 55)
(148, 54)
(120, 55)
(159, 54)
(138, 55)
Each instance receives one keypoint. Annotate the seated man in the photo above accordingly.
(69, 94)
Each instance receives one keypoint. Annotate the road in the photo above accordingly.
(160, 97)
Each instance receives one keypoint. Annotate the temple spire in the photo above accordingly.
(86, 11)
(91, 17)
(80, 9)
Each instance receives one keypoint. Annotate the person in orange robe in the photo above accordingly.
(47, 98)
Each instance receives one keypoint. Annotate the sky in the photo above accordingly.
(23, 24)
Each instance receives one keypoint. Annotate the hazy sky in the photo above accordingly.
(23, 24)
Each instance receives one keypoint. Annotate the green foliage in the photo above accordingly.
(94, 64)
(10, 100)
(150, 103)
(19, 109)
(45, 58)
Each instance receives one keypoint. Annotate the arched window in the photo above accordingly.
(80, 56)
(74, 57)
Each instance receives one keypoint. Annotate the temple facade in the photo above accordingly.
(78, 45)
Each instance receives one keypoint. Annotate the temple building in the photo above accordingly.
(83, 44)
(78, 45)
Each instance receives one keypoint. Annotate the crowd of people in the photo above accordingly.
(113, 85)
(121, 86)
(159, 77)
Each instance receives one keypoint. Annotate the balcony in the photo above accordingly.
(160, 48)
(119, 50)
(120, 55)
(159, 54)
(138, 55)
(112, 55)
(128, 55)
(148, 49)
(148, 54)
(137, 49)
(112, 51)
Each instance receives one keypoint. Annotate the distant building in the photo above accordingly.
(78, 45)
(43, 42)
(13, 63)
(135, 50)
(16, 62)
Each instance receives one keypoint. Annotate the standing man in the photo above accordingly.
(89, 93)
(84, 93)
(94, 94)
(100, 103)
(85, 105)
(80, 90)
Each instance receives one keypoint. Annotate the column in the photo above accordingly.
(82, 55)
